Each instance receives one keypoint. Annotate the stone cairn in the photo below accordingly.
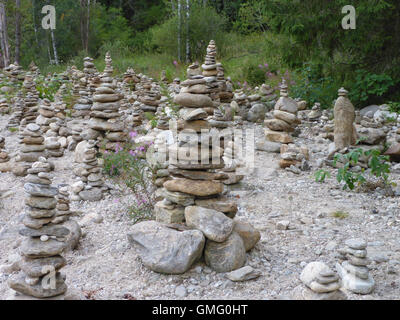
(30, 102)
(105, 116)
(15, 73)
(150, 96)
(32, 146)
(193, 191)
(34, 69)
(285, 118)
(354, 271)
(46, 115)
(45, 238)
(3, 154)
(345, 131)
(4, 108)
(84, 103)
(91, 75)
(90, 185)
(321, 283)
(18, 111)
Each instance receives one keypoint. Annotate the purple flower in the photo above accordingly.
(133, 134)
(260, 66)
(175, 63)
(132, 153)
(266, 65)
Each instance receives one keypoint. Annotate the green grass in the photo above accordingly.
(340, 214)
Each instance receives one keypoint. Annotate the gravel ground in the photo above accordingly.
(105, 266)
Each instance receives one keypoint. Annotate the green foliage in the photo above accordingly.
(394, 106)
(126, 165)
(368, 87)
(312, 86)
(378, 164)
(46, 89)
(321, 175)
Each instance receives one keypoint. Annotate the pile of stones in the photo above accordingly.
(31, 100)
(149, 95)
(4, 157)
(14, 72)
(354, 271)
(192, 197)
(84, 103)
(105, 116)
(4, 108)
(46, 115)
(285, 118)
(18, 111)
(45, 238)
(90, 185)
(31, 142)
(321, 283)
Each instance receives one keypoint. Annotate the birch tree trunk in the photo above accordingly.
(179, 30)
(87, 26)
(34, 23)
(5, 47)
(187, 31)
(17, 31)
(53, 40)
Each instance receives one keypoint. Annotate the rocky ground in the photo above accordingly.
(320, 217)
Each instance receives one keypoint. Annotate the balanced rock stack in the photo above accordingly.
(88, 67)
(32, 146)
(14, 72)
(46, 115)
(34, 69)
(83, 104)
(285, 118)
(354, 272)
(150, 96)
(45, 240)
(4, 108)
(226, 89)
(90, 184)
(321, 283)
(315, 113)
(210, 72)
(345, 130)
(18, 111)
(53, 147)
(30, 102)
(105, 116)
(3, 154)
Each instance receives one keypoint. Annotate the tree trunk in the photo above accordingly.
(17, 31)
(34, 23)
(53, 40)
(179, 30)
(87, 26)
(5, 47)
(187, 31)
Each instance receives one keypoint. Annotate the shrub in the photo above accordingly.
(369, 87)
(127, 166)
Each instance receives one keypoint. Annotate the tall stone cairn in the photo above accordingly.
(345, 133)
(105, 116)
(31, 144)
(18, 110)
(31, 100)
(45, 237)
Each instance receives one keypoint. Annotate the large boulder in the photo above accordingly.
(166, 250)
(256, 113)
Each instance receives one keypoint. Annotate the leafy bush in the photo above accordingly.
(313, 86)
(368, 87)
(378, 164)
(127, 166)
